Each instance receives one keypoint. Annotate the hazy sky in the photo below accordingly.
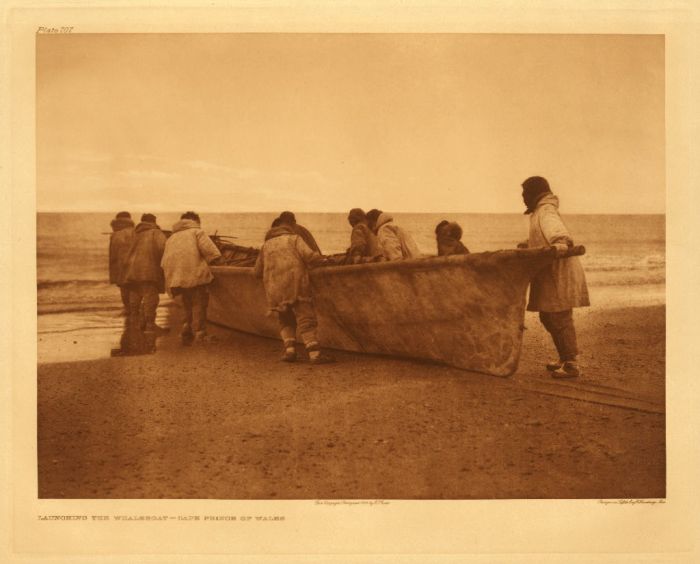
(325, 122)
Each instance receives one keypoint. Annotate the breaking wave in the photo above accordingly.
(48, 284)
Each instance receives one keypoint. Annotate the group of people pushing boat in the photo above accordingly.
(145, 263)
(290, 251)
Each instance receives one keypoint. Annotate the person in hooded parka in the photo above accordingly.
(394, 242)
(449, 239)
(119, 245)
(289, 219)
(363, 241)
(283, 264)
(188, 254)
(144, 278)
(560, 287)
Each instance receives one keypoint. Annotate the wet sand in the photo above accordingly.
(228, 420)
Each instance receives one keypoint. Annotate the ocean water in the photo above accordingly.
(80, 313)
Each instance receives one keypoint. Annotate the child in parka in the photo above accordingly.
(283, 264)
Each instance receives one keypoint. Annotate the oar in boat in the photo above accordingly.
(575, 251)
(168, 233)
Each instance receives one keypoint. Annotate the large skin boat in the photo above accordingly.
(464, 310)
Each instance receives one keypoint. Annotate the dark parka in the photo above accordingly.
(145, 255)
(448, 240)
(363, 243)
(119, 245)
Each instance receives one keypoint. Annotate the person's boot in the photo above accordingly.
(204, 337)
(149, 342)
(289, 354)
(123, 349)
(569, 369)
(319, 357)
(554, 365)
(186, 335)
(135, 341)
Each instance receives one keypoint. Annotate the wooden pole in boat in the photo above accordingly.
(168, 233)
(576, 251)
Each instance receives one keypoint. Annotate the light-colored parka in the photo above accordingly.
(283, 264)
(562, 285)
(188, 252)
(394, 243)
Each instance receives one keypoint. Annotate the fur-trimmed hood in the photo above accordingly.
(548, 199)
(183, 224)
(146, 226)
(279, 231)
(383, 219)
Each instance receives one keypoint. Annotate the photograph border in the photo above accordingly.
(445, 530)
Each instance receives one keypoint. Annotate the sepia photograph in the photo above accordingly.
(350, 266)
(350, 282)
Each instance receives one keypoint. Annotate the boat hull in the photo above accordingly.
(466, 311)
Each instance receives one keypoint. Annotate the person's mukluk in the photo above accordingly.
(300, 319)
(195, 302)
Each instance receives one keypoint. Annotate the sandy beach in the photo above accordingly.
(227, 420)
